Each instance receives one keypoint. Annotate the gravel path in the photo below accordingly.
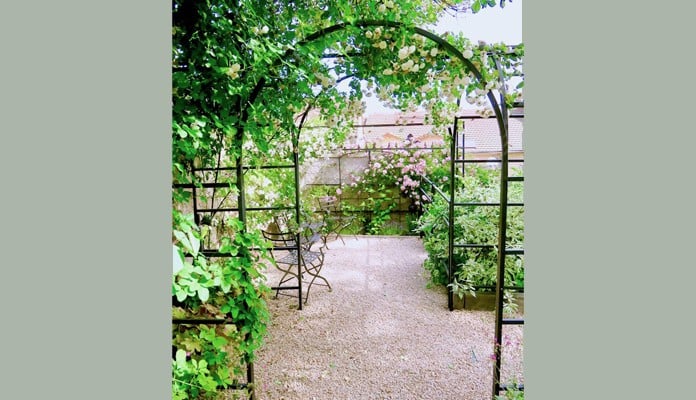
(380, 334)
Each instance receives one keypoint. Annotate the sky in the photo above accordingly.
(491, 25)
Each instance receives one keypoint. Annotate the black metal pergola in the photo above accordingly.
(234, 175)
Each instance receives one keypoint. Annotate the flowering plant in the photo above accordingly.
(404, 168)
(397, 172)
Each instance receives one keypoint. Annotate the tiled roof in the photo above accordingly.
(481, 134)
(394, 118)
(486, 137)
(373, 134)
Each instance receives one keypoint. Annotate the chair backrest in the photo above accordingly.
(282, 221)
(279, 239)
(328, 203)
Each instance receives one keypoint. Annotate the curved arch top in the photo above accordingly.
(445, 45)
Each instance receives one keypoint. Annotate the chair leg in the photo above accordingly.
(314, 273)
(324, 239)
(313, 270)
(342, 226)
(288, 275)
(338, 236)
(309, 287)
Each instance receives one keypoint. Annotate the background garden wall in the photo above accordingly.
(328, 174)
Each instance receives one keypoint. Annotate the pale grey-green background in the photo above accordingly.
(85, 158)
(609, 217)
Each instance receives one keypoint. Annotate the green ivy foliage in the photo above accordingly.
(209, 357)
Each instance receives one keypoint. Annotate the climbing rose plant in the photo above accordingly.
(405, 171)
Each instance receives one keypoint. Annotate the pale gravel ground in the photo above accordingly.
(380, 334)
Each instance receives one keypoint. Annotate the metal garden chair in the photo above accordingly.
(295, 261)
(334, 219)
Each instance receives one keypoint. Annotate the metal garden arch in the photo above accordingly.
(501, 114)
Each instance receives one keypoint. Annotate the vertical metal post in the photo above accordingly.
(241, 195)
(196, 218)
(502, 119)
(250, 381)
(296, 170)
(241, 205)
(463, 147)
(450, 225)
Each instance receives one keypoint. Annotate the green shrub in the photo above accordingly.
(473, 225)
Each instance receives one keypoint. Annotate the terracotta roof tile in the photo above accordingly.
(372, 134)
(389, 139)
(430, 139)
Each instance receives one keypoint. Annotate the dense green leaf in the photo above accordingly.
(181, 358)
(203, 294)
(183, 239)
(218, 341)
(181, 295)
(177, 261)
(476, 6)
(195, 243)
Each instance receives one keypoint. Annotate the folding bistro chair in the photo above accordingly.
(287, 259)
(333, 217)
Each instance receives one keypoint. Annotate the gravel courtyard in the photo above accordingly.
(381, 333)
